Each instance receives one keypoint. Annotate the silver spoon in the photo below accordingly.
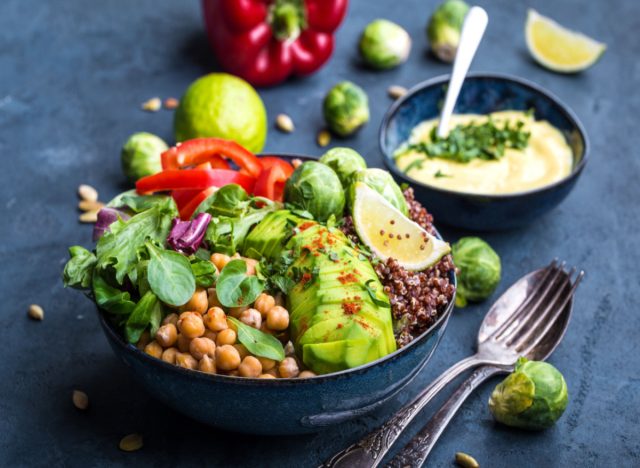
(473, 29)
(518, 321)
(417, 450)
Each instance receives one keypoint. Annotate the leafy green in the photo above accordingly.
(120, 247)
(170, 275)
(147, 312)
(372, 292)
(257, 342)
(204, 272)
(140, 203)
(111, 299)
(79, 269)
(235, 288)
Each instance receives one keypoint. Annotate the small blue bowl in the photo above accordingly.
(484, 93)
(280, 406)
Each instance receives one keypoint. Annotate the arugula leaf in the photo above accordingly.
(147, 312)
(79, 269)
(170, 275)
(111, 299)
(204, 272)
(143, 280)
(120, 247)
(140, 203)
(235, 288)
(373, 295)
(257, 342)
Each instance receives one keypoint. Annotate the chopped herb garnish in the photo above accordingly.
(439, 174)
(372, 294)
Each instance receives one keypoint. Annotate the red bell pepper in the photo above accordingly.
(270, 161)
(203, 150)
(192, 205)
(265, 41)
(193, 179)
(270, 183)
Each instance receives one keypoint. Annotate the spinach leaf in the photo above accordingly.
(142, 280)
(147, 312)
(170, 275)
(120, 247)
(136, 203)
(257, 342)
(111, 299)
(230, 200)
(235, 288)
(204, 272)
(79, 269)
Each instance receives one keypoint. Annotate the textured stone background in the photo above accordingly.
(72, 76)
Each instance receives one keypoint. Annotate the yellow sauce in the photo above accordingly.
(546, 159)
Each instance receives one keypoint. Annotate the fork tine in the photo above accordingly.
(549, 269)
(525, 313)
(559, 309)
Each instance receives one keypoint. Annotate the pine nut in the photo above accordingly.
(87, 205)
(89, 217)
(152, 105)
(396, 92)
(131, 442)
(36, 312)
(466, 461)
(80, 400)
(87, 192)
(324, 138)
(284, 123)
(171, 103)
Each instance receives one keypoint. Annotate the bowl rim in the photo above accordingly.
(442, 321)
(443, 79)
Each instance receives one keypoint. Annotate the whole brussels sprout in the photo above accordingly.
(444, 28)
(534, 396)
(382, 182)
(346, 108)
(479, 267)
(345, 162)
(140, 155)
(315, 188)
(384, 44)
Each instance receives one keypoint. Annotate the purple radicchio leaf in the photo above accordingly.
(106, 217)
(186, 236)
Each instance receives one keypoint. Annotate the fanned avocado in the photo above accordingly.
(268, 238)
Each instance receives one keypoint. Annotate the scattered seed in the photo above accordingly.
(382, 232)
(80, 400)
(386, 243)
(392, 221)
(324, 138)
(131, 442)
(407, 235)
(88, 193)
(152, 105)
(422, 247)
(391, 235)
(296, 162)
(396, 91)
(171, 103)
(36, 312)
(284, 123)
(466, 461)
(86, 205)
(399, 236)
(88, 217)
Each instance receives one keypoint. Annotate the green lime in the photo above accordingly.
(224, 106)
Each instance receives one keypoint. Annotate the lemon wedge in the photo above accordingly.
(390, 234)
(558, 48)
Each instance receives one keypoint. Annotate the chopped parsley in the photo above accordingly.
(439, 174)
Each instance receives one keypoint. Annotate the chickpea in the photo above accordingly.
(213, 298)
(272, 372)
(211, 335)
(264, 303)
(236, 311)
(186, 360)
(167, 335)
(183, 343)
(250, 367)
(190, 324)
(171, 318)
(252, 318)
(227, 358)
(267, 364)
(305, 374)
(266, 376)
(169, 355)
(288, 368)
(251, 266)
(207, 365)
(153, 349)
(220, 260)
(144, 340)
(278, 318)
(242, 350)
(215, 319)
(226, 337)
(289, 350)
(200, 347)
(199, 302)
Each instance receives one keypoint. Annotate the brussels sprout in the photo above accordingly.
(315, 188)
(345, 162)
(382, 182)
(140, 155)
(384, 44)
(479, 267)
(444, 28)
(534, 396)
(346, 108)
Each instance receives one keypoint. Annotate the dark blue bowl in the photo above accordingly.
(279, 406)
(482, 94)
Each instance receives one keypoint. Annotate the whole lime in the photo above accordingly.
(224, 106)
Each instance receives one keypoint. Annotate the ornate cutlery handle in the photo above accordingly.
(415, 453)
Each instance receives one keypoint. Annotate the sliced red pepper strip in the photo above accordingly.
(192, 179)
(192, 205)
(270, 183)
(270, 161)
(202, 150)
(182, 197)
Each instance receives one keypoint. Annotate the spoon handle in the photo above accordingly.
(415, 453)
(473, 29)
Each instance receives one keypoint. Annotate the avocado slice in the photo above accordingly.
(267, 239)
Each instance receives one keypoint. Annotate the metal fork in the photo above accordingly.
(512, 335)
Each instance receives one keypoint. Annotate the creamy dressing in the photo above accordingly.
(546, 159)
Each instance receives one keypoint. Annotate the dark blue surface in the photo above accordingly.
(72, 77)
(484, 94)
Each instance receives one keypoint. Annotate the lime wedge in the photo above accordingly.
(558, 48)
(390, 234)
